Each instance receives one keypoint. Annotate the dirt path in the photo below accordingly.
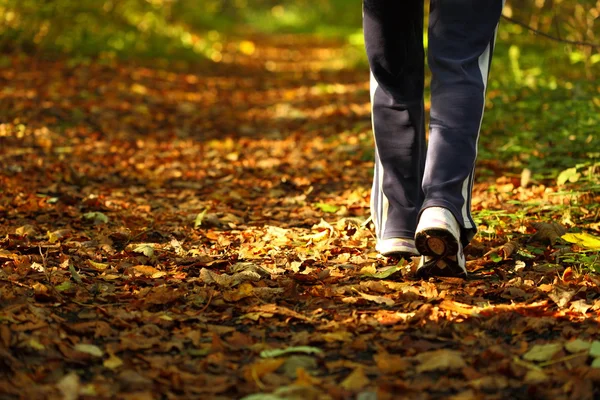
(200, 234)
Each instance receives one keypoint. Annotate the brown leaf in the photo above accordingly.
(547, 233)
(390, 363)
(506, 250)
(241, 292)
(146, 270)
(561, 296)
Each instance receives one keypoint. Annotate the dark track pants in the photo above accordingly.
(410, 176)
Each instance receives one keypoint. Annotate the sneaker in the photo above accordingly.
(438, 241)
(399, 247)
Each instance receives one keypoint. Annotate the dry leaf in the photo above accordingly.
(241, 292)
(542, 352)
(338, 336)
(505, 251)
(226, 280)
(257, 370)
(112, 362)
(535, 376)
(440, 360)
(390, 363)
(69, 386)
(377, 299)
(145, 270)
(547, 233)
(561, 296)
(90, 349)
(356, 380)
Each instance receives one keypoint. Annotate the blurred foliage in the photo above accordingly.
(178, 27)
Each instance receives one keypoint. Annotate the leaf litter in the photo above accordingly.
(164, 243)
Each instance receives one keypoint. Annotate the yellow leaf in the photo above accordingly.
(583, 239)
(112, 362)
(98, 266)
(242, 291)
(35, 344)
(356, 380)
(341, 336)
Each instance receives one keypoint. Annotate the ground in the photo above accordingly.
(202, 232)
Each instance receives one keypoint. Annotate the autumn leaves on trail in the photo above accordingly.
(202, 233)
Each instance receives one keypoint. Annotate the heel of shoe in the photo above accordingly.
(436, 242)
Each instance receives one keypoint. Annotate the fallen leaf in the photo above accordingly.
(289, 350)
(145, 270)
(97, 266)
(26, 230)
(595, 349)
(145, 249)
(69, 386)
(377, 299)
(535, 376)
(583, 239)
(328, 208)
(244, 290)
(96, 216)
(356, 380)
(208, 276)
(35, 344)
(303, 378)
(383, 274)
(547, 232)
(577, 345)
(65, 286)
(338, 336)
(561, 296)
(440, 360)
(257, 370)
(390, 363)
(542, 352)
(90, 349)
(112, 362)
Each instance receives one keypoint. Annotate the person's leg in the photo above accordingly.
(461, 43)
(393, 32)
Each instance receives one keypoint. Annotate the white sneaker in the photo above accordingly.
(438, 241)
(401, 247)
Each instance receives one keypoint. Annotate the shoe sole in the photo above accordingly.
(438, 243)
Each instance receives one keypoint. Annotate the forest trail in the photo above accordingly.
(199, 233)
